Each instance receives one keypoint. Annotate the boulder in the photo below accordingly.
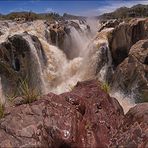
(131, 76)
(84, 117)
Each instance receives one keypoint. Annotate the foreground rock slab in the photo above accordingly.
(84, 117)
(133, 132)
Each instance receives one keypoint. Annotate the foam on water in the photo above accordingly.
(61, 74)
(125, 101)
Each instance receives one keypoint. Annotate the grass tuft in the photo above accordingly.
(12, 97)
(28, 94)
(2, 108)
(105, 87)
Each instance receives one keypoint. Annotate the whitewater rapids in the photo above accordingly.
(61, 74)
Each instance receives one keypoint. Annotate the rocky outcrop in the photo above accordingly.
(57, 35)
(133, 131)
(66, 36)
(75, 25)
(109, 24)
(17, 61)
(3, 27)
(124, 36)
(84, 117)
(99, 56)
(131, 76)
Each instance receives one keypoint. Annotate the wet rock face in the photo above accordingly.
(12, 55)
(84, 117)
(132, 73)
(124, 36)
(61, 35)
(15, 60)
(139, 30)
(120, 43)
(75, 25)
(57, 35)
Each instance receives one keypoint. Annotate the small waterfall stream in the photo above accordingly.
(36, 77)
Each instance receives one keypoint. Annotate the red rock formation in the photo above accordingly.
(84, 117)
(133, 133)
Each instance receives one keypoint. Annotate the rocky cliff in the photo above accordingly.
(124, 36)
(128, 47)
(132, 73)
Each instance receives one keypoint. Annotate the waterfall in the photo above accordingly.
(106, 70)
(90, 58)
(126, 101)
(77, 41)
(60, 73)
(94, 25)
(36, 71)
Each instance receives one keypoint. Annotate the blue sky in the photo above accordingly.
(94, 7)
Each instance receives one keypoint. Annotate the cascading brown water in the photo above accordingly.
(92, 59)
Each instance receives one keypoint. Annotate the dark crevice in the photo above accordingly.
(16, 64)
(81, 109)
(121, 54)
(145, 45)
(23, 55)
(146, 60)
(65, 145)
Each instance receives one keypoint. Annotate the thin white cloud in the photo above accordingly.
(48, 10)
(113, 5)
(18, 10)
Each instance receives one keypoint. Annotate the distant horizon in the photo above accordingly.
(78, 8)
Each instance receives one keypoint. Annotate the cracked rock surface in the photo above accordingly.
(84, 117)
